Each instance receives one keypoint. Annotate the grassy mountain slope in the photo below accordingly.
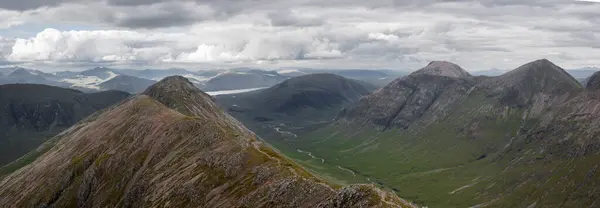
(32, 113)
(304, 101)
(521, 139)
(172, 146)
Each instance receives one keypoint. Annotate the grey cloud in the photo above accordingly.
(167, 18)
(174, 16)
(135, 2)
(405, 30)
(287, 18)
(22, 5)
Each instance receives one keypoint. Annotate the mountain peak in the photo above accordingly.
(423, 94)
(102, 68)
(443, 68)
(593, 82)
(177, 83)
(543, 68)
(542, 61)
(19, 71)
(519, 86)
(178, 93)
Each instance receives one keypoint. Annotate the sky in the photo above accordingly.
(346, 34)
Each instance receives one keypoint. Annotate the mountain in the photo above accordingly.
(408, 99)
(234, 80)
(291, 72)
(90, 79)
(377, 77)
(299, 102)
(442, 138)
(21, 75)
(15, 75)
(196, 77)
(593, 82)
(30, 114)
(100, 72)
(172, 146)
(314, 91)
(127, 83)
(520, 86)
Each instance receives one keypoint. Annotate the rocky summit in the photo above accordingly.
(172, 147)
(443, 68)
(409, 98)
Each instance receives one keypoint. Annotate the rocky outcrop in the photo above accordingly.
(593, 82)
(408, 99)
(172, 146)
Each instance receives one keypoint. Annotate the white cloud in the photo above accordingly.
(52, 45)
(476, 35)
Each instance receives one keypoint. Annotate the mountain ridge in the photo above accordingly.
(142, 153)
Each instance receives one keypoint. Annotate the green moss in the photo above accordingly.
(101, 159)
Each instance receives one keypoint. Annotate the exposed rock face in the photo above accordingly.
(593, 82)
(430, 92)
(172, 147)
(408, 99)
(30, 114)
(570, 127)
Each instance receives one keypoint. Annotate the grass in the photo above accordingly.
(475, 156)
(440, 165)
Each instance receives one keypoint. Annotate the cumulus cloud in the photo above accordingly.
(86, 46)
(338, 33)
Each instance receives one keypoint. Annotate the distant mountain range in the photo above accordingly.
(134, 81)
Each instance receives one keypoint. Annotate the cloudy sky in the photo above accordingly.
(203, 34)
